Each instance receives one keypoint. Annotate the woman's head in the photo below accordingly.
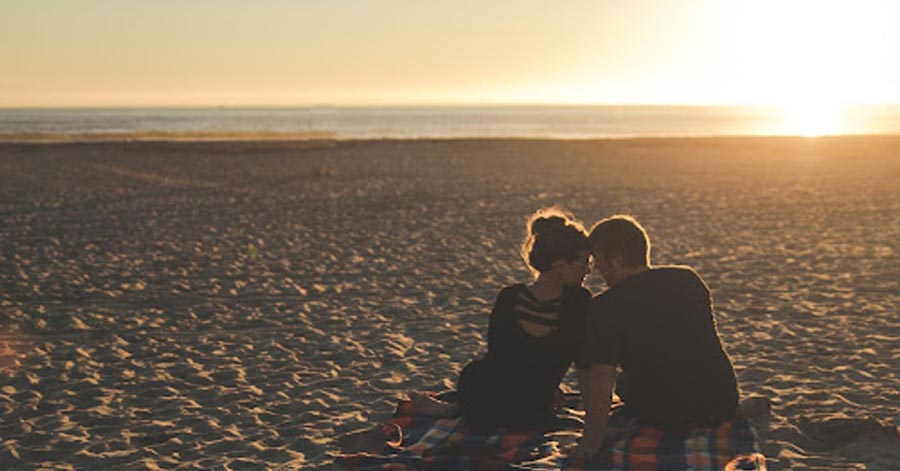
(555, 240)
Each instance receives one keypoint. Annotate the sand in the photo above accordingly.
(258, 304)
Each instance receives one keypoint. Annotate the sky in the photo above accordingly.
(409, 52)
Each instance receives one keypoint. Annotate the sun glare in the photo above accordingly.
(816, 59)
(811, 119)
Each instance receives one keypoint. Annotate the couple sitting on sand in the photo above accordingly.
(655, 324)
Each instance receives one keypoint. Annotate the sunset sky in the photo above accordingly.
(367, 52)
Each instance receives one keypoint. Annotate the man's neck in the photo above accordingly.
(628, 272)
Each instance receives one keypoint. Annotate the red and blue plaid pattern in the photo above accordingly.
(732, 445)
(417, 442)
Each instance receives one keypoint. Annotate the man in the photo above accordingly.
(657, 324)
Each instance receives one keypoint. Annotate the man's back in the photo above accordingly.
(659, 326)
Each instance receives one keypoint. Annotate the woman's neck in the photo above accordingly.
(546, 288)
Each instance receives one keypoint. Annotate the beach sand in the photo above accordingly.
(257, 304)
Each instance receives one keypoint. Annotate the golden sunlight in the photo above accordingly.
(810, 57)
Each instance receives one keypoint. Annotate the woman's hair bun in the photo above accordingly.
(552, 234)
(544, 224)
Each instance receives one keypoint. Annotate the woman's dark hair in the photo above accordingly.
(552, 234)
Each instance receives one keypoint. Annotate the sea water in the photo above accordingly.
(559, 122)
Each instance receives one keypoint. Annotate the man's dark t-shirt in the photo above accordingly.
(658, 326)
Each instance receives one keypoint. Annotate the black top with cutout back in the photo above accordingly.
(514, 385)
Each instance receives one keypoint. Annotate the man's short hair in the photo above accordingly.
(621, 235)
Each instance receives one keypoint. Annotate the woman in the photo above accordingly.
(535, 333)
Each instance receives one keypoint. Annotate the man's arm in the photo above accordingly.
(583, 382)
(597, 389)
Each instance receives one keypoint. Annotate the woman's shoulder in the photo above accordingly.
(571, 293)
(509, 293)
(516, 287)
(513, 289)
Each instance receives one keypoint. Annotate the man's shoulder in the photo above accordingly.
(674, 271)
(603, 301)
(579, 293)
(664, 276)
(681, 276)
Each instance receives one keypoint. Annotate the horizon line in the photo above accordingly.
(423, 105)
(138, 138)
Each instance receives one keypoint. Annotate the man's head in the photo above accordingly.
(620, 247)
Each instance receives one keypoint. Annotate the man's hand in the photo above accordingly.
(598, 384)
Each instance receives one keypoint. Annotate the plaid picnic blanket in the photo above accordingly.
(732, 445)
(416, 442)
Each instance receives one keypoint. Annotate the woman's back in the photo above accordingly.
(531, 345)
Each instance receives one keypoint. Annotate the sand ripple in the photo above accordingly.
(262, 304)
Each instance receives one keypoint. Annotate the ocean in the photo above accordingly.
(556, 122)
